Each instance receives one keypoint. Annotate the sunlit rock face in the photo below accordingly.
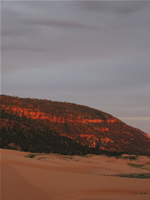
(82, 124)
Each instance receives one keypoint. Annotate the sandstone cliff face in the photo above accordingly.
(82, 124)
(37, 114)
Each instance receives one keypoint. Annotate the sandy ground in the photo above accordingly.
(57, 177)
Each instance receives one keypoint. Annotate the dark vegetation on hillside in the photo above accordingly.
(28, 135)
(45, 126)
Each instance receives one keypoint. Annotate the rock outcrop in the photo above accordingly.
(86, 126)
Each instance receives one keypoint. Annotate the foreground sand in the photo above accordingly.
(56, 177)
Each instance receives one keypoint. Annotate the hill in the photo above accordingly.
(46, 126)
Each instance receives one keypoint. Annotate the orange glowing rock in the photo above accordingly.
(89, 136)
(105, 140)
(111, 120)
(95, 120)
(105, 129)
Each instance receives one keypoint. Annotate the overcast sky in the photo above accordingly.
(93, 53)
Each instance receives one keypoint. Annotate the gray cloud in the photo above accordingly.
(56, 23)
(117, 7)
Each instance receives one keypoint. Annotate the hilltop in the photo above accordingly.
(46, 126)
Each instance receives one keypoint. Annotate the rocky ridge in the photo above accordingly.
(86, 126)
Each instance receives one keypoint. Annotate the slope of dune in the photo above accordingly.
(58, 177)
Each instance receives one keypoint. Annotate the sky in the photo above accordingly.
(94, 53)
